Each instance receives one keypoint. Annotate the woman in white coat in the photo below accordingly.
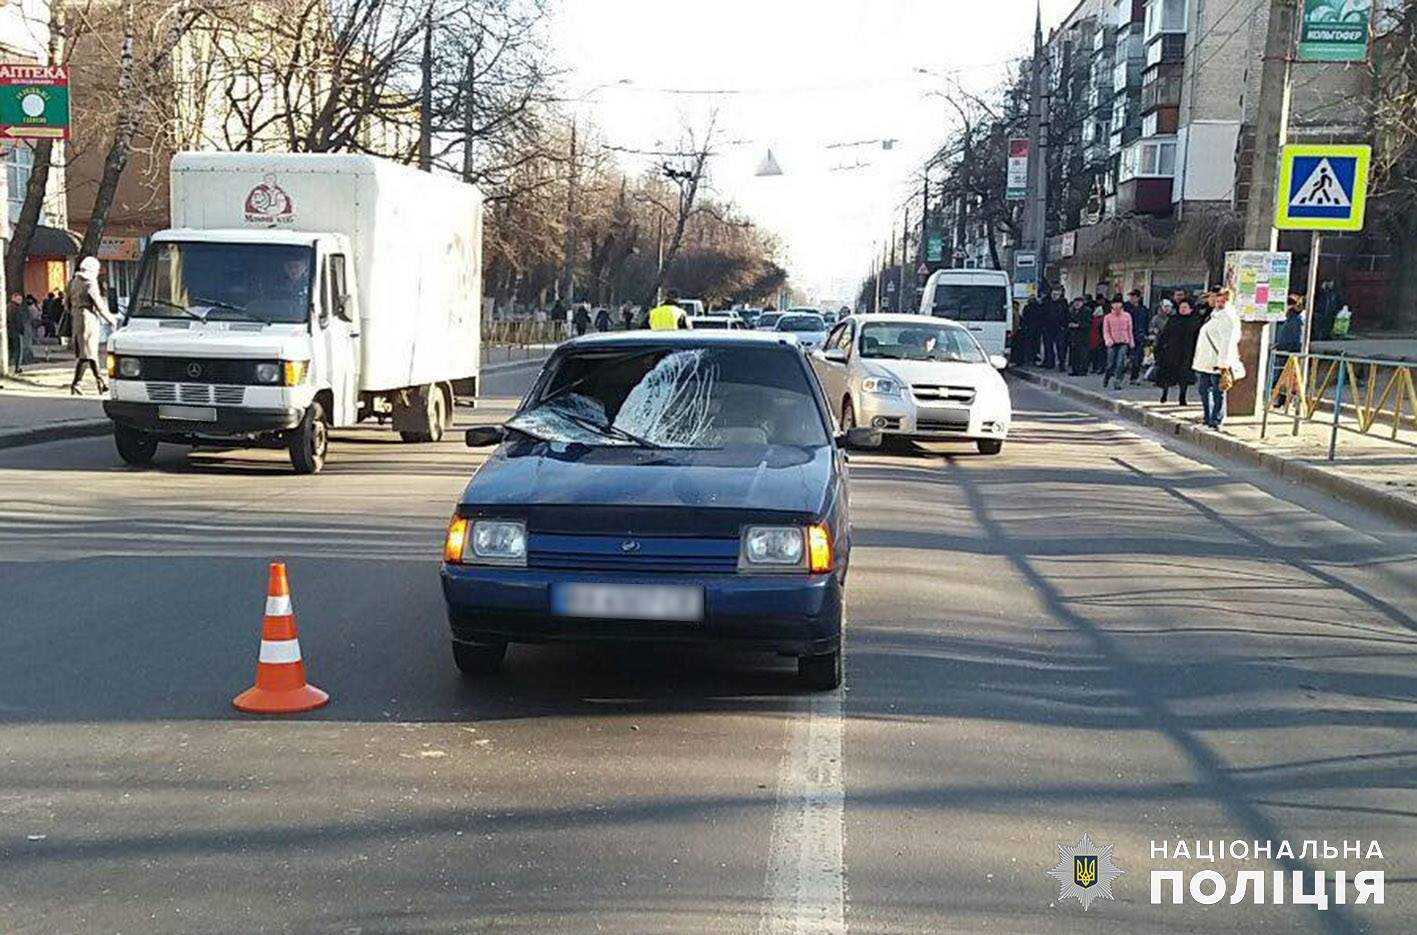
(1217, 359)
(88, 310)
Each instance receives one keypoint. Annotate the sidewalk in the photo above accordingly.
(1372, 470)
(36, 406)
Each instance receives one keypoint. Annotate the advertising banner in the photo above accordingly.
(1260, 283)
(34, 102)
(1335, 30)
(1018, 169)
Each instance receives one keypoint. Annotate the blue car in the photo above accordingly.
(665, 487)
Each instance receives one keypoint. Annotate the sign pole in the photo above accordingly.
(1316, 241)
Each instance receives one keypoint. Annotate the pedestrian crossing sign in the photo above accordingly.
(1322, 187)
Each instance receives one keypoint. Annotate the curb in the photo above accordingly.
(1334, 484)
(59, 431)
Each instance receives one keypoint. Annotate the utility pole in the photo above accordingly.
(907, 274)
(880, 273)
(568, 263)
(425, 106)
(469, 118)
(1038, 158)
(1271, 133)
(925, 218)
(1271, 124)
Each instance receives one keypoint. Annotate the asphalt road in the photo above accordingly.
(1090, 632)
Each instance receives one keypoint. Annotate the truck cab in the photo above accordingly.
(237, 335)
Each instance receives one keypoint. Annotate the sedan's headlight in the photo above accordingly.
(882, 386)
(772, 547)
(268, 372)
(496, 542)
(129, 367)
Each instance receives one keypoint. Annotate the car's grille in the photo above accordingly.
(194, 392)
(632, 553)
(228, 395)
(162, 392)
(942, 420)
(931, 392)
(229, 371)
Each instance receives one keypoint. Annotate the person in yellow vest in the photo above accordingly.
(667, 317)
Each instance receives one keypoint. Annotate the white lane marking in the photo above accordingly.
(278, 605)
(806, 881)
(279, 651)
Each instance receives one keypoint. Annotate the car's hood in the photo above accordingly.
(934, 372)
(757, 477)
(177, 338)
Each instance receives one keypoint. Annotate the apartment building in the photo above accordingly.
(1172, 87)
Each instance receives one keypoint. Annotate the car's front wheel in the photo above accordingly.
(990, 446)
(310, 441)
(479, 658)
(820, 673)
(134, 446)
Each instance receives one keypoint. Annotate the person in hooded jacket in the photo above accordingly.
(89, 311)
(1079, 331)
(1175, 349)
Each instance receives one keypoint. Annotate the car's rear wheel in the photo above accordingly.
(990, 446)
(820, 673)
(479, 658)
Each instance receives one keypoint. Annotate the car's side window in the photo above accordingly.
(833, 340)
(848, 338)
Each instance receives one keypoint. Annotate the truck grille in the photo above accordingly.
(931, 392)
(632, 553)
(196, 393)
(224, 370)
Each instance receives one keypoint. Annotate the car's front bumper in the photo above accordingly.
(790, 614)
(903, 416)
(235, 422)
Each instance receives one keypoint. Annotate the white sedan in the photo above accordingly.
(915, 377)
(809, 327)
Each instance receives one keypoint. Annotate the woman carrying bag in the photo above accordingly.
(1217, 359)
(89, 311)
(1176, 350)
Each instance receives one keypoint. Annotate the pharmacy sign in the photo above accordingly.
(34, 102)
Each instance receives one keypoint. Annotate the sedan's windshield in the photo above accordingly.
(768, 319)
(225, 281)
(970, 303)
(925, 341)
(803, 323)
(719, 397)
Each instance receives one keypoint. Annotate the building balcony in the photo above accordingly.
(1162, 87)
(1164, 16)
(1150, 196)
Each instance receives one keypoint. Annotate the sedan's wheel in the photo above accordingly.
(479, 658)
(848, 415)
(990, 446)
(820, 673)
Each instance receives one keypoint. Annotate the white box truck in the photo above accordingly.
(296, 293)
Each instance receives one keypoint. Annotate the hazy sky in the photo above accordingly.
(807, 75)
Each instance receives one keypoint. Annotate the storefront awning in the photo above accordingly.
(52, 243)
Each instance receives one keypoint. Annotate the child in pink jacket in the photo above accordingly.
(1117, 335)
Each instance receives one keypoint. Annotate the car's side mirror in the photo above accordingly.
(342, 307)
(485, 436)
(999, 361)
(859, 437)
(835, 355)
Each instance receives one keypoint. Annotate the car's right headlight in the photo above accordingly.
(129, 368)
(496, 542)
(268, 371)
(883, 386)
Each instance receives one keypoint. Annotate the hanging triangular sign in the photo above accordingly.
(769, 165)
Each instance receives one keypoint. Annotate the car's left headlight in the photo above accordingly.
(268, 371)
(882, 386)
(785, 548)
(129, 368)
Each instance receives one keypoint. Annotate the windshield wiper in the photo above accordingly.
(608, 430)
(214, 304)
(177, 305)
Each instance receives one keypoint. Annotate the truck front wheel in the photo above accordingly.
(134, 446)
(310, 441)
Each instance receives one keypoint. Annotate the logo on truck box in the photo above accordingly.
(268, 203)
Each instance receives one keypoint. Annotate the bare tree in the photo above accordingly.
(685, 172)
(1394, 122)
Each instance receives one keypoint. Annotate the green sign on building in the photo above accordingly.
(934, 245)
(1335, 30)
(34, 102)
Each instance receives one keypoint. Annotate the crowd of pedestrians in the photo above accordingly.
(1193, 341)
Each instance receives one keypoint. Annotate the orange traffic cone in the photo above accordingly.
(280, 675)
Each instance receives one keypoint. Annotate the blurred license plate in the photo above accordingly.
(628, 601)
(187, 413)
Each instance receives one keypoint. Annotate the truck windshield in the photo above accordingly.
(225, 281)
(970, 303)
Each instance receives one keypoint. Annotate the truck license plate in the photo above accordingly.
(628, 601)
(187, 413)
